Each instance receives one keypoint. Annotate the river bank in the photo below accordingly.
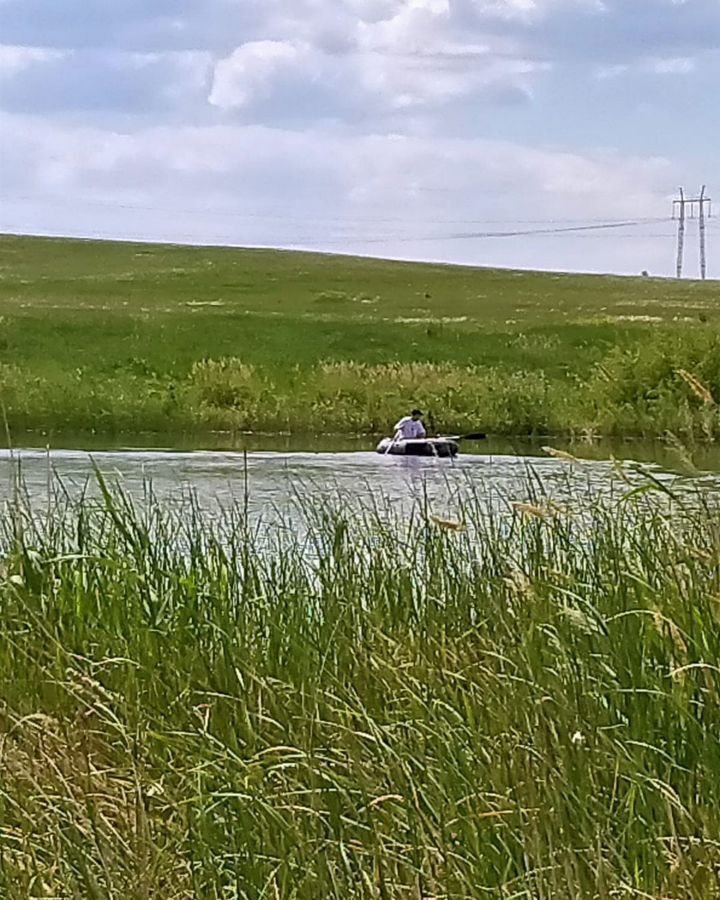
(455, 706)
(126, 338)
(668, 385)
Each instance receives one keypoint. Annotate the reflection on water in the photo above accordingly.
(705, 457)
(275, 483)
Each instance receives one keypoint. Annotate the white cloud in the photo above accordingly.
(413, 29)
(413, 82)
(383, 194)
(248, 73)
(426, 111)
(415, 60)
(349, 60)
(128, 83)
(14, 60)
(648, 66)
(675, 66)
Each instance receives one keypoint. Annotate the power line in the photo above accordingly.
(526, 232)
(62, 201)
(578, 232)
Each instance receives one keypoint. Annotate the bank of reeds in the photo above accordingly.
(669, 384)
(511, 706)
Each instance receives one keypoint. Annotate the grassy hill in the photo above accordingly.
(117, 336)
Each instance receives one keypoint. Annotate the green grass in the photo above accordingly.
(105, 336)
(385, 709)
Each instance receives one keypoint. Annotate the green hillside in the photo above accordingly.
(112, 336)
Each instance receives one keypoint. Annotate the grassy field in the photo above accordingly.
(524, 709)
(130, 337)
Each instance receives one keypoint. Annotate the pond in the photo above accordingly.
(271, 475)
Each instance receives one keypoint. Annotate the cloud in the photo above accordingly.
(599, 29)
(14, 60)
(420, 56)
(53, 81)
(282, 61)
(250, 71)
(673, 66)
(281, 81)
(651, 66)
(405, 57)
(383, 194)
(621, 32)
(428, 111)
(133, 25)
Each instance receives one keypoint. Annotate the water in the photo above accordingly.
(278, 482)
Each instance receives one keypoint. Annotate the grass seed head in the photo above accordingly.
(697, 387)
(448, 524)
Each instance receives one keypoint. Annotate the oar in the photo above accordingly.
(473, 436)
(392, 443)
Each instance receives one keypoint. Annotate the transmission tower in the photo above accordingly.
(683, 208)
(679, 205)
(701, 221)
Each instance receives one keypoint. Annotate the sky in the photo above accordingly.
(484, 132)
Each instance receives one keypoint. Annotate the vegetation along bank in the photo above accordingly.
(493, 706)
(120, 337)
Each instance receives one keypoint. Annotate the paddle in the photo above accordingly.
(473, 436)
(392, 443)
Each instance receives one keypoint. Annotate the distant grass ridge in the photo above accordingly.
(133, 337)
(460, 708)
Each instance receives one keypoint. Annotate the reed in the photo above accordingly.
(501, 704)
(620, 398)
(127, 338)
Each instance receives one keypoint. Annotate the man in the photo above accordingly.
(410, 427)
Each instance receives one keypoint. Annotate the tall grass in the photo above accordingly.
(668, 385)
(119, 337)
(519, 706)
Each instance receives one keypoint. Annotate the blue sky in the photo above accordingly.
(423, 129)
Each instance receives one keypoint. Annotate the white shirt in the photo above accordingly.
(409, 429)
